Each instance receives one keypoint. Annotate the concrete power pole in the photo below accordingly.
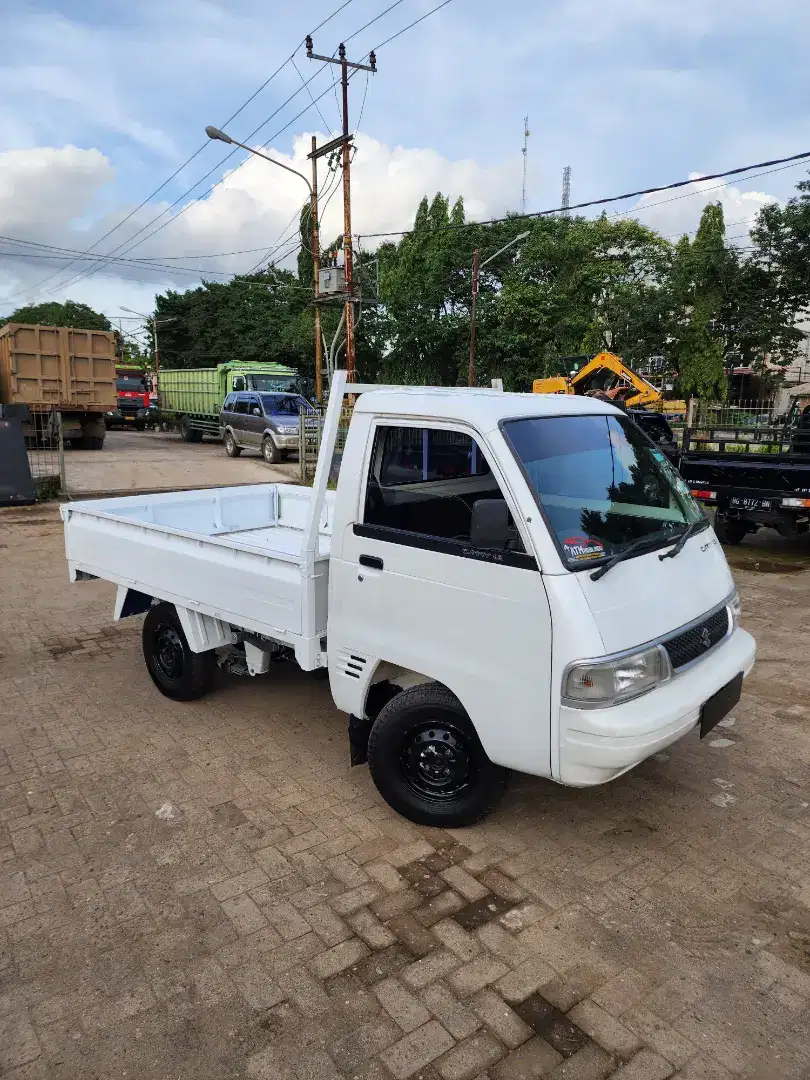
(316, 262)
(566, 190)
(345, 142)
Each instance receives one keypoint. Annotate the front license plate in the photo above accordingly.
(720, 705)
(739, 503)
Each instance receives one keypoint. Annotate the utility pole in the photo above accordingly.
(475, 272)
(345, 141)
(526, 134)
(316, 263)
(471, 372)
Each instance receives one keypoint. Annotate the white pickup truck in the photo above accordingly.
(500, 581)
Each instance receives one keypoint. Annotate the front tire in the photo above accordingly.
(231, 449)
(270, 452)
(176, 671)
(428, 762)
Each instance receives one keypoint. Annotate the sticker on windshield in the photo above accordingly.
(582, 548)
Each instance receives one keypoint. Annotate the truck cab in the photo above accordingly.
(500, 582)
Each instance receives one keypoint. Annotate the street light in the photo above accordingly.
(222, 136)
(155, 323)
(476, 269)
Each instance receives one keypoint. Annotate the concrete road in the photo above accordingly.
(148, 461)
(208, 890)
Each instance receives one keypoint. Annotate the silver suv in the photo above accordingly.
(267, 422)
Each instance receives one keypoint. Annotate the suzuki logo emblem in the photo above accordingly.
(706, 638)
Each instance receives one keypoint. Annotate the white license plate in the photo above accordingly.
(739, 503)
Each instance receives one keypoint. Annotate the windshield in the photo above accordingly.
(130, 382)
(284, 384)
(284, 404)
(601, 484)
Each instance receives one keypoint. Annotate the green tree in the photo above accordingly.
(70, 313)
(700, 275)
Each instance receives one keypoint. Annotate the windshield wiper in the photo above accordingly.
(690, 530)
(620, 556)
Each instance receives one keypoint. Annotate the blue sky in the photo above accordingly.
(628, 92)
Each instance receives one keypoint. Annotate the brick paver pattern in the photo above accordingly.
(208, 889)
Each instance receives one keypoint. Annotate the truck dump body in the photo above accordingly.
(49, 367)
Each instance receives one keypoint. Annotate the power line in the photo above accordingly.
(199, 149)
(196, 153)
(794, 159)
(129, 246)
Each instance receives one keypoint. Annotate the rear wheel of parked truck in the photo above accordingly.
(429, 764)
(175, 670)
(730, 530)
(231, 447)
(188, 433)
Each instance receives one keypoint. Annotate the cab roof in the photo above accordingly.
(479, 407)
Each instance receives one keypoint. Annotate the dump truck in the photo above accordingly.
(132, 398)
(50, 370)
(192, 398)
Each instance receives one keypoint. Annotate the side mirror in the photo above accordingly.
(489, 527)
(257, 412)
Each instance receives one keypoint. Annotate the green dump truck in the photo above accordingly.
(192, 398)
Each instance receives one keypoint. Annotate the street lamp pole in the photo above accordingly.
(476, 268)
(221, 136)
(151, 319)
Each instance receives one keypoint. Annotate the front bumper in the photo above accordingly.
(286, 442)
(597, 745)
(117, 417)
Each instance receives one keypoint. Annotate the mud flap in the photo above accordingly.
(359, 731)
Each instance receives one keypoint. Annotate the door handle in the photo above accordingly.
(371, 561)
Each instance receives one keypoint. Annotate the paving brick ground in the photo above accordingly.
(151, 460)
(209, 891)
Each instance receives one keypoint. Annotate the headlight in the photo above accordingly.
(289, 430)
(735, 610)
(603, 684)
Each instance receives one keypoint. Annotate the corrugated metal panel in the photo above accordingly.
(47, 367)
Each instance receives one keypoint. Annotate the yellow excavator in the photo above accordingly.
(604, 374)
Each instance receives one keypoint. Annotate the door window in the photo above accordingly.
(241, 406)
(253, 403)
(422, 489)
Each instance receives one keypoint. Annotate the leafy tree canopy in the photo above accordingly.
(70, 313)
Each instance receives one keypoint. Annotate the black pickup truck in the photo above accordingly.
(751, 476)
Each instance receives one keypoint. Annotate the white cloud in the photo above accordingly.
(254, 206)
(678, 212)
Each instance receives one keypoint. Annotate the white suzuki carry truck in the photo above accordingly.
(500, 581)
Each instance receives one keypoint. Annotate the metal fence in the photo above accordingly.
(310, 433)
(759, 412)
(46, 453)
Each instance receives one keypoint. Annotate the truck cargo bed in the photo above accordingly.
(235, 554)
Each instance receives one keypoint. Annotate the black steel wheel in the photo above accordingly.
(428, 762)
(175, 670)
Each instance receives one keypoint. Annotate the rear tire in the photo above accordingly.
(428, 762)
(231, 448)
(89, 442)
(270, 452)
(731, 531)
(176, 671)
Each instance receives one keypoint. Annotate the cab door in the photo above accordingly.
(409, 586)
(254, 422)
